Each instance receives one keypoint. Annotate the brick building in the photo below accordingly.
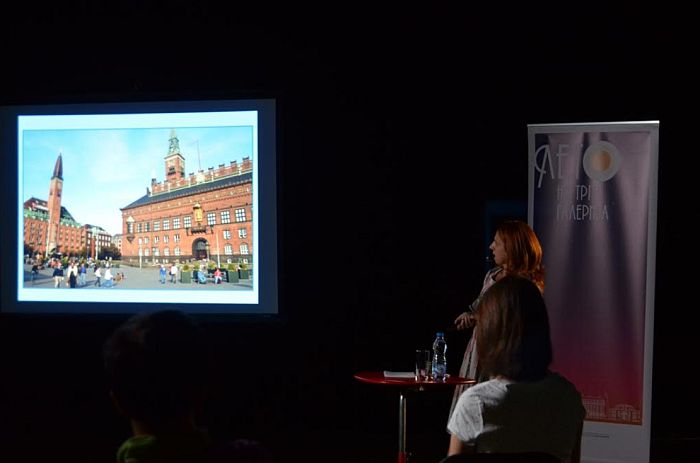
(204, 215)
(50, 228)
(117, 241)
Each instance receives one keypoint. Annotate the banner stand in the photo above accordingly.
(592, 202)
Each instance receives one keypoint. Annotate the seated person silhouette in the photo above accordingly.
(158, 365)
(523, 407)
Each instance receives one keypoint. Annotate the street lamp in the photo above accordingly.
(140, 253)
(218, 255)
(206, 247)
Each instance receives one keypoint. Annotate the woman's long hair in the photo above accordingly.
(523, 251)
(513, 337)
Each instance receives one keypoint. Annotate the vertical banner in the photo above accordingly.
(592, 203)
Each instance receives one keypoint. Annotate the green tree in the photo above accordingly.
(110, 251)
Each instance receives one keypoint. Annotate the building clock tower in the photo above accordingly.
(174, 161)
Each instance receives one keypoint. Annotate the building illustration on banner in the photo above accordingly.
(597, 410)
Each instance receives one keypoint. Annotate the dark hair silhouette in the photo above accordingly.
(513, 337)
(158, 366)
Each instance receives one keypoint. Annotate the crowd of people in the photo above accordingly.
(74, 272)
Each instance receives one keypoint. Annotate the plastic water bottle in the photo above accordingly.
(439, 357)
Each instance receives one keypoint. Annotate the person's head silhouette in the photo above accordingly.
(158, 368)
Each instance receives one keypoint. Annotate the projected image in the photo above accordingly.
(145, 207)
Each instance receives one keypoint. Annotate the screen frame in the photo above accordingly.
(267, 306)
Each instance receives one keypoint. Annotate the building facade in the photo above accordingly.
(67, 236)
(50, 229)
(117, 241)
(207, 215)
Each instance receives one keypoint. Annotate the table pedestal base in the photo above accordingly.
(405, 385)
(403, 456)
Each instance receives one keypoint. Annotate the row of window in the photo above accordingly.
(61, 235)
(226, 234)
(36, 237)
(224, 217)
(39, 234)
(177, 251)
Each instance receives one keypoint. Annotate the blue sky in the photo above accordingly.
(105, 169)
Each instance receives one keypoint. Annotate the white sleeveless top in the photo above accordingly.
(506, 416)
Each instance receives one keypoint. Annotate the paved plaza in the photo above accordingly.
(134, 278)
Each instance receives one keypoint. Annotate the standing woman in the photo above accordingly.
(72, 274)
(516, 251)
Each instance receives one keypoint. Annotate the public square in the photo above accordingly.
(146, 277)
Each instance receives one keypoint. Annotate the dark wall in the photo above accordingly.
(398, 129)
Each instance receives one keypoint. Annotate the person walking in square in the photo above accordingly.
(57, 275)
(34, 273)
(173, 273)
(109, 281)
(72, 274)
(82, 271)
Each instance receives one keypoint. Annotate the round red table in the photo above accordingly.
(403, 385)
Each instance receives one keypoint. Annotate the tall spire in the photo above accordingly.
(174, 143)
(58, 168)
(54, 206)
